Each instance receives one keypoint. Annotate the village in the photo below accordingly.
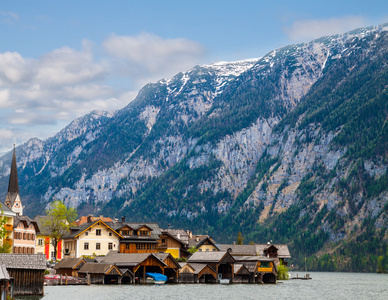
(102, 250)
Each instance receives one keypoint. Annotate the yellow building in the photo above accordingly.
(170, 244)
(90, 239)
(9, 214)
(203, 243)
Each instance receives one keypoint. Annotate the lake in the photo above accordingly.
(322, 286)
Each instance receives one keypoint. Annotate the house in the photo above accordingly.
(203, 243)
(43, 241)
(137, 263)
(221, 262)
(137, 237)
(25, 231)
(27, 272)
(70, 266)
(196, 273)
(91, 239)
(100, 273)
(262, 269)
(6, 212)
(279, 252)
(170, 243)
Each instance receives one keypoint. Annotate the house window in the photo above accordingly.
(110, 246)
(125, 232)
(110, 233)
(143, 232)
(264, 264)
(207, 250)
(200, 250)
(52, 255)
(86, 233)
(86, 246)
(127, 246)
(163, 242)
(98, 231)
(98, 246)
(40, 242)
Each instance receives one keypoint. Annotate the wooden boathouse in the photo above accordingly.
(196, 273)
(100, 273)
(26, 271)
(69, 266)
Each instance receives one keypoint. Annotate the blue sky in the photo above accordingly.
(61, 59)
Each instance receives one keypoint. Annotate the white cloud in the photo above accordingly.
(305, 30)
(148, 57)
(38, 96)
(8, 17)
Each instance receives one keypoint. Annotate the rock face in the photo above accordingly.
(239, 142)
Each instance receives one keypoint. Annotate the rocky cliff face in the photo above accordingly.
(240, 143)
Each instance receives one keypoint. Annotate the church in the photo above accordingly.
(25, 229)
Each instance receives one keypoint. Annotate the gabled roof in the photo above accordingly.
(179, 234)
(199, 267)
(155, 230)
(253, 258)
(238, 249)
(199, 240)
(208, 257)
(173, 237)
(96, 268)
(23, 261)
(240, 268)
(283, 251)
(128, 259)
(166, 258)
(70, 263)
(26, 221)
(76, 231)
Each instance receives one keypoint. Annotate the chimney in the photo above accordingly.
(189, 233)
(179, 236)
(89, 219)
(101, 217)
(123, 219)
(234, 243)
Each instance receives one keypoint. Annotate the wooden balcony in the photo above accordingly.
(8, 227)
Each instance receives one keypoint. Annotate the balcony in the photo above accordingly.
(8, 227)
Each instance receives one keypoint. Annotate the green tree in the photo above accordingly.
(240, 239)
(57, 222)
(282, 272)
(192, 249)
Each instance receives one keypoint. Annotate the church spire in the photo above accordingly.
(13, 198)
(13, 185)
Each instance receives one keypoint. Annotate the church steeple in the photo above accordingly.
(13, 198)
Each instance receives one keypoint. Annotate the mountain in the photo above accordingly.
(290, 147)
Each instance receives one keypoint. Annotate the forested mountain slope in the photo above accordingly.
(290, 147)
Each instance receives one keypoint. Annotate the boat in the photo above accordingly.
(156, 278)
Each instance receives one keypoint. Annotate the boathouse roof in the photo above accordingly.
(70, 263)
(3, 273)
(96, 268)
(23, 261)
(208, 257)
(128, 259)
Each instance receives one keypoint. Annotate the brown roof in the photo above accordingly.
(238, 249)
(283, 251)
(128, 259)
(96, 268)
(253, 258)
(26, 220)
(84, 219)
(179, 234)
(207, 257)
(23, 261)
(69, 263)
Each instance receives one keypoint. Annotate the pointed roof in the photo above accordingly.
(13, 186)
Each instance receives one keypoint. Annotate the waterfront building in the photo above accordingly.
(27, 272)
(203, 243)
(91, 239)
(69, 266)
(101, 273)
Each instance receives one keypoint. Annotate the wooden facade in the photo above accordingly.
(27, 271)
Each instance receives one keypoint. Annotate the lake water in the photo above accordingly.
(322, 286)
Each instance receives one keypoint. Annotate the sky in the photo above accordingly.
(60, 60)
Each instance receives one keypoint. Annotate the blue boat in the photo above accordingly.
(157, 277)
